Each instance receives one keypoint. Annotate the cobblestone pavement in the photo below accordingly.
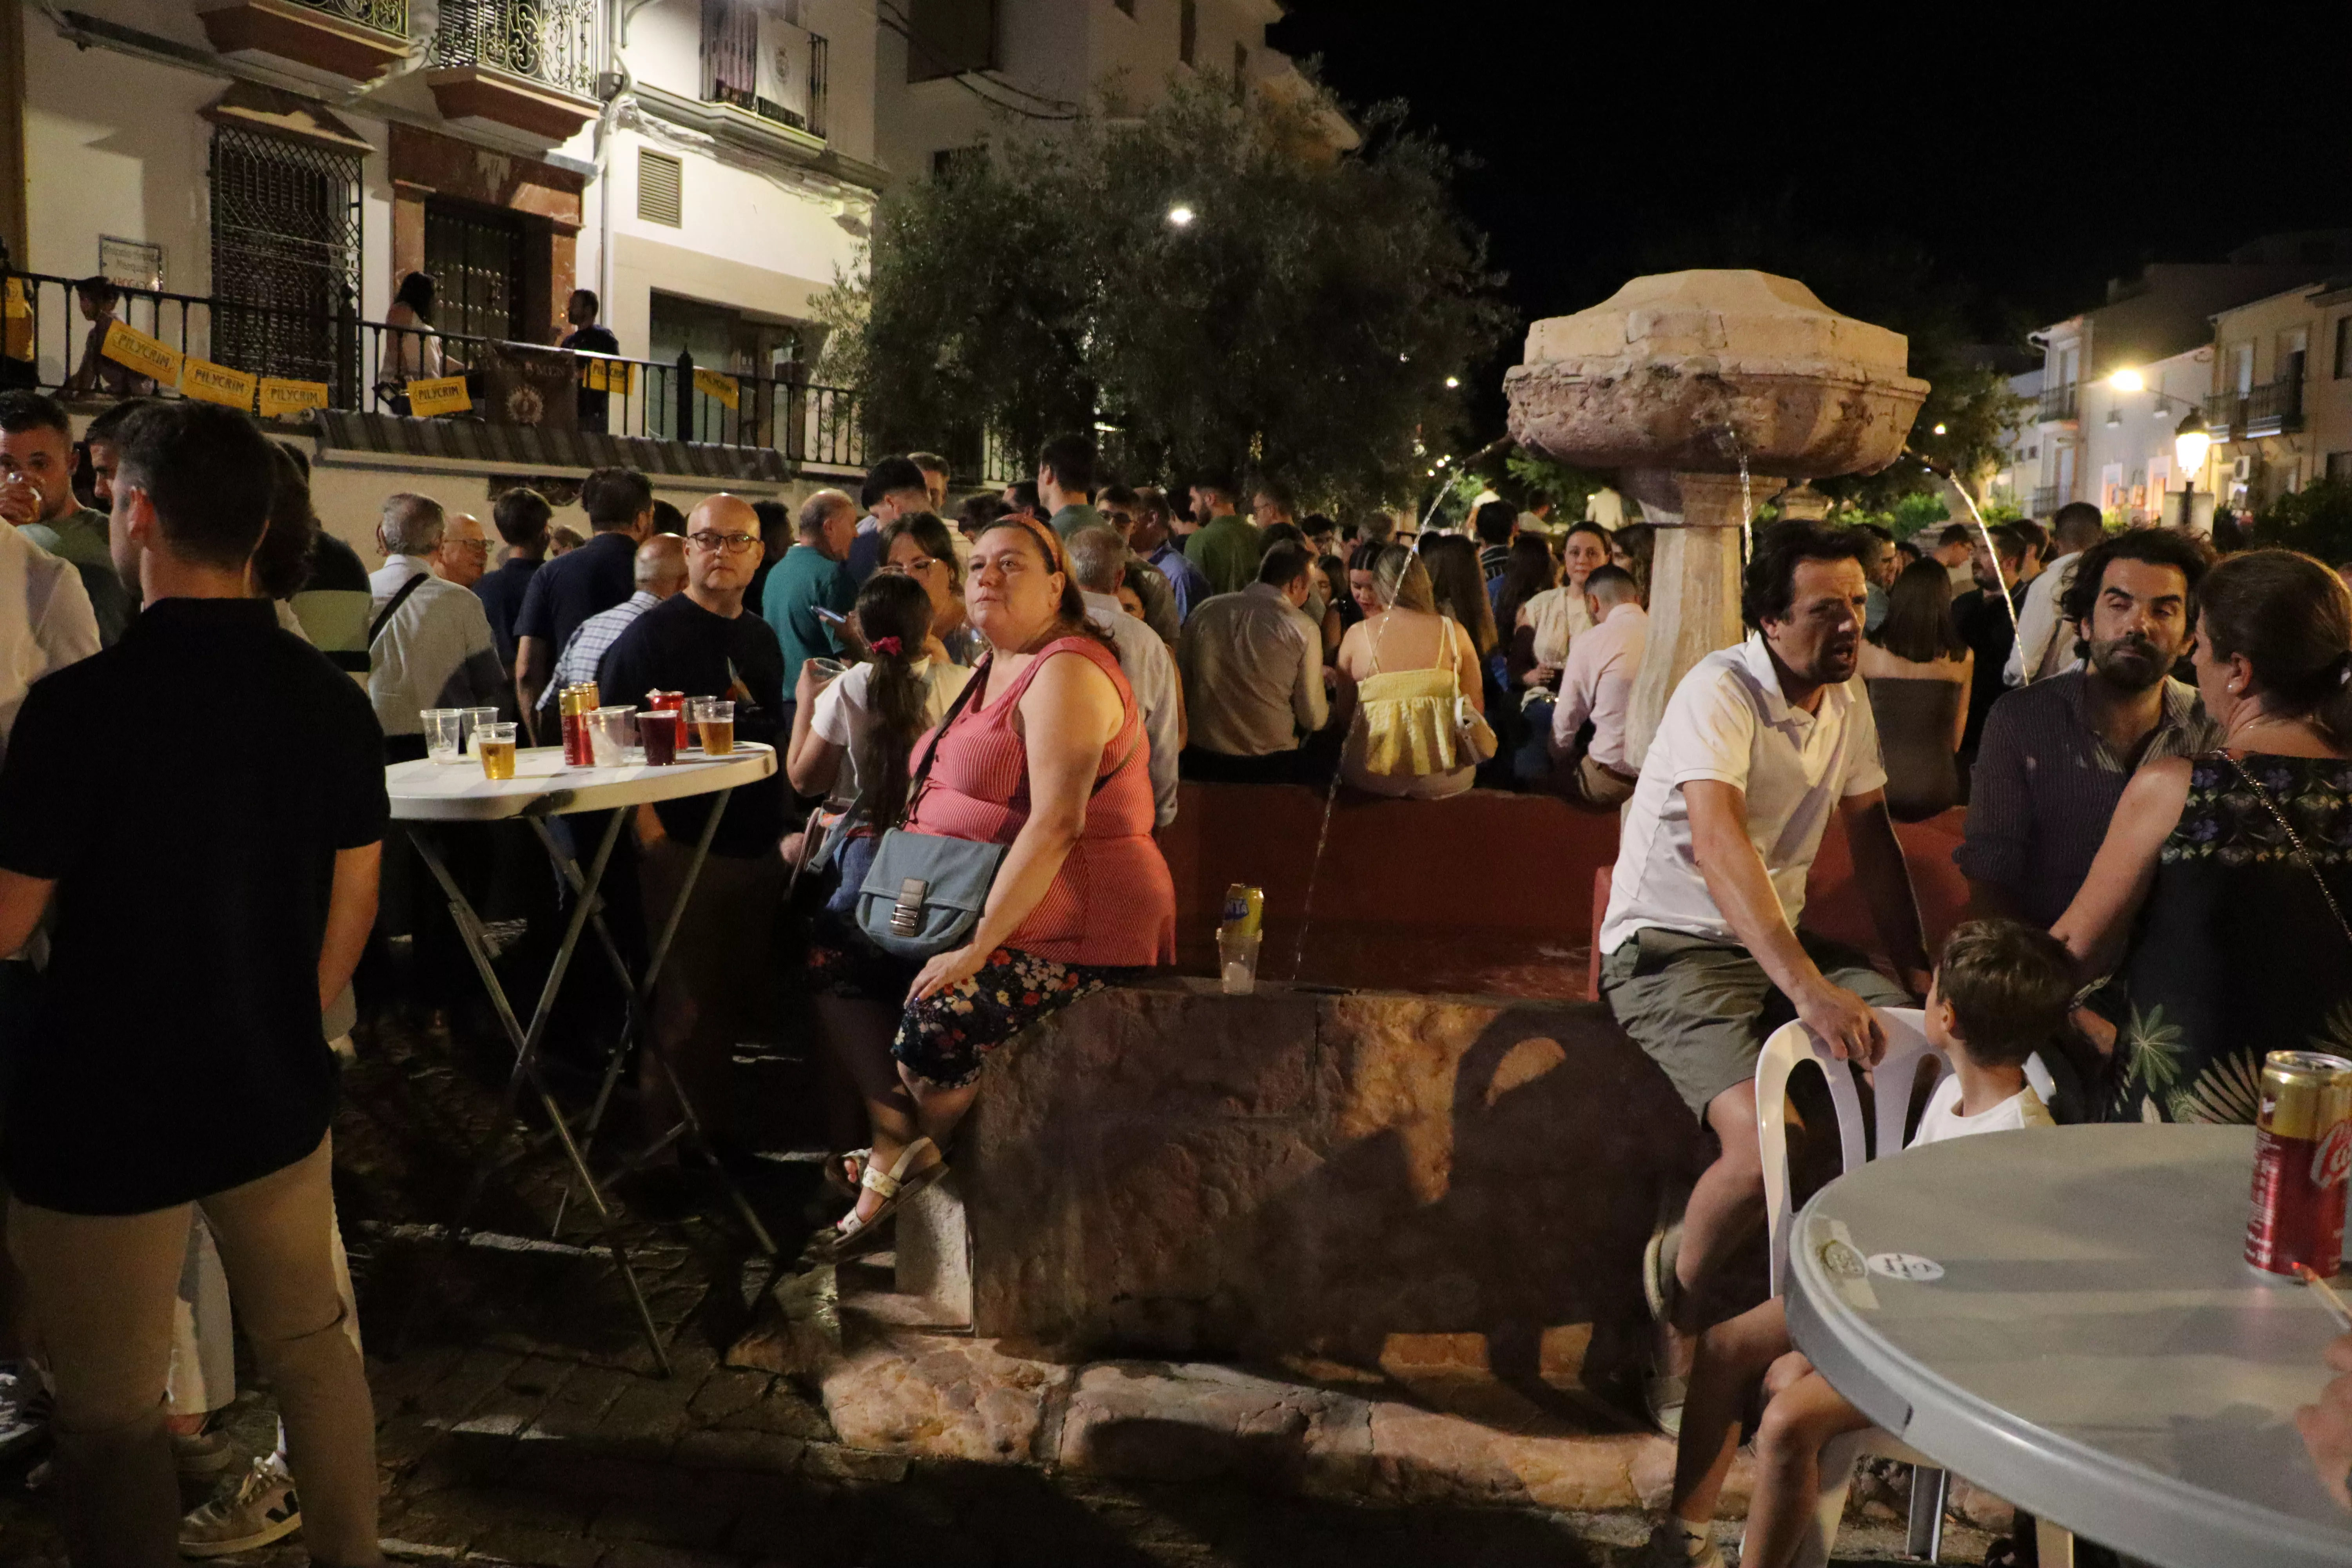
(520, 1422)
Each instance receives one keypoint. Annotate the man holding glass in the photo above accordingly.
(703, 643)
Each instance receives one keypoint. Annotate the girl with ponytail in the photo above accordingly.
(2229, 874)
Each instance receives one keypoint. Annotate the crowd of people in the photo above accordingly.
(2151, 744)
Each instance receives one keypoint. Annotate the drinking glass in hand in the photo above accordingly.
(657, 732)
(442, 729)
(714, 720)
(497, 743)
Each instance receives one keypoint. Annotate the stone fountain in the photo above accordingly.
(1709, 392)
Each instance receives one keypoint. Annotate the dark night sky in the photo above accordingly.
(2031, 154)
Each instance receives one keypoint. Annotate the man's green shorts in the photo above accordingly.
(1702, 1009)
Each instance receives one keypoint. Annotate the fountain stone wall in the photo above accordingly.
(1674, 382)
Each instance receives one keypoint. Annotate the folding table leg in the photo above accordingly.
(1929, 1487)
(639, 1027)
(2054, 1543)
(526, 1071)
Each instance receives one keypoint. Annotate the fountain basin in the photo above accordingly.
(1687, 371)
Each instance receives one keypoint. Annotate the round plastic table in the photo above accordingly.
(2064, 1316)
(543, 786)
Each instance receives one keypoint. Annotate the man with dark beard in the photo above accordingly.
(2057, 755)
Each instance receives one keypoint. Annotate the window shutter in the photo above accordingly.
(661, 180)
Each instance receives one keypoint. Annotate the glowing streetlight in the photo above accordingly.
(1452, 382)
(1179, 216)
(1939, 430)
(2190, 441)
(2129, 381)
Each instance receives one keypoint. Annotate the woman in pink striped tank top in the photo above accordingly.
(1049, 757)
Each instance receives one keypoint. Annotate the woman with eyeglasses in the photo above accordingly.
(920, 547)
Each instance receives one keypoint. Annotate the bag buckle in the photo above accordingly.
(906, 914)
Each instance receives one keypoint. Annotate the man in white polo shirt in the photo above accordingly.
(1759, 744)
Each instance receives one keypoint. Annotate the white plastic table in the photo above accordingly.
(427, 792)
(2096, 1349)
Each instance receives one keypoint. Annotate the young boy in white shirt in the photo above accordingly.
(2001, 990)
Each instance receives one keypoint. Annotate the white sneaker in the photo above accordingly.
(1676, 1544)
(260, 1509)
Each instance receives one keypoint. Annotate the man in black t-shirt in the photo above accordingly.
(580, 583)
(177, 1055)
(704, 642)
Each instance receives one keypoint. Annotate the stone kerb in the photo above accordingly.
(1165, 1171)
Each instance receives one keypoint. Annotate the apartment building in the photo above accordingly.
(2281, 402)
(259, 175)
(949, 74)
(2088, 433)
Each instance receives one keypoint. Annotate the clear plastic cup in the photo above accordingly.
(714, 722)
(472, 722)
(445, 734)
(497, 747)
(610, 732)
(1237, 961)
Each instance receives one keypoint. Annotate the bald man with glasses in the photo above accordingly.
(704, 642)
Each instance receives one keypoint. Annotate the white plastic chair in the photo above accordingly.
(1895, 1078)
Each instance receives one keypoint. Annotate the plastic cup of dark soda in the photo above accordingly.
(657, 732)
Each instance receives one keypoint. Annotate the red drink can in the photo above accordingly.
(574, 703)
(2302, 1151)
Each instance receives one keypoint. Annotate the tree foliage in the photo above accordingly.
(1303, 324)
(2315, 520)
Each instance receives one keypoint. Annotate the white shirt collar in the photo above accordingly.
(1759, 660)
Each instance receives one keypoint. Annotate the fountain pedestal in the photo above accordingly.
(1678, 380)
(1697, 550)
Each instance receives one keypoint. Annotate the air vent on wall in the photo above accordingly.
(660, 188)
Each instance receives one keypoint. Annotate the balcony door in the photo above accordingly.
(476, 257)
(286, 258)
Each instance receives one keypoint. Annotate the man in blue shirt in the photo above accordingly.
(520, 516)
(1148, 538)
(811, 577)
(573, 586)
(895, 488)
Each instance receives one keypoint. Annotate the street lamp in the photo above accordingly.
(2191, 439)
(1181, 215)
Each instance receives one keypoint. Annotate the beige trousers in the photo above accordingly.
(102, 1289)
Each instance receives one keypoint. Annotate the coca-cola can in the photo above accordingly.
(2303, 1149)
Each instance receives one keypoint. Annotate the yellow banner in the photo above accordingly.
(281, 398)
(15, 321)
(720, 389)
(609, 375)
(148, 356)
(217, 383)
(439, 394)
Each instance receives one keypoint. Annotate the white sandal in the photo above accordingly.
(852, 1236)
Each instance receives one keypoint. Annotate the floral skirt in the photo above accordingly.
(944, 1038)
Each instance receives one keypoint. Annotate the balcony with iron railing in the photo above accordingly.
(2275, 409)
(527, 402)
(2062, 404)
(330, 42)
(528, 65)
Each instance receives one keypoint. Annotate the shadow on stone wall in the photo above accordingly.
(1427, 1187)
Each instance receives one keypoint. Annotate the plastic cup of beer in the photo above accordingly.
(472, 722)
(657, 732)
(609, 735)
(714, 720)
(497, 749)
(444, 731)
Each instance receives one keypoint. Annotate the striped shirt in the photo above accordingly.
(586, 649)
